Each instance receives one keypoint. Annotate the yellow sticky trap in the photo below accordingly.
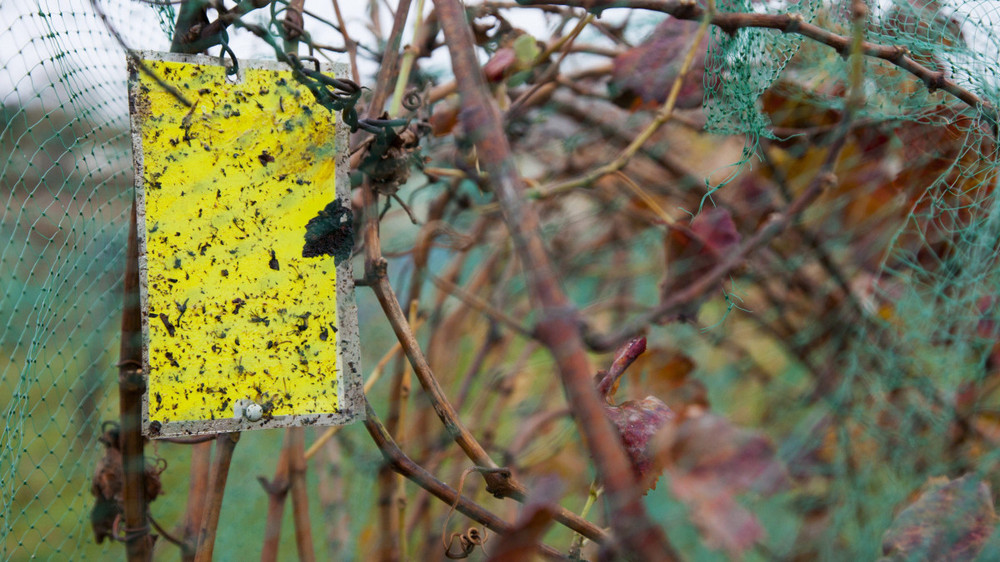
(245, 241)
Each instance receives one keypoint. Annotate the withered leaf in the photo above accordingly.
(951, 520)
(643, 76)
(107, 484)
(637, 421)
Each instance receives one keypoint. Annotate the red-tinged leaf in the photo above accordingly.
(717, 230)
(711, 462)
(500, 65)
(693, 250)
(638, 421)
(644, 75)
(951, 520)
(711, 445)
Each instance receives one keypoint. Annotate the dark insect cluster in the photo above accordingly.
(330, 233)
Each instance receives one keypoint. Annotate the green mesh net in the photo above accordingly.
(862, 341)
(65, 176)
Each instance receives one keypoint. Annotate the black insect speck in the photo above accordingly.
(273, 264)
(173, 361)
(166, 322)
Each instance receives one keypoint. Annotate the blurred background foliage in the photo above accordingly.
(841, 372)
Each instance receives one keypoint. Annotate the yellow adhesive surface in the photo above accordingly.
(234, 310)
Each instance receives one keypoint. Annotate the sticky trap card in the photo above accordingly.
(245, 227)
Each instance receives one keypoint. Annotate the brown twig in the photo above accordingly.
(140, 65)
(497, 483)
(292, 27)
(625, 357)
(131, 387)
(200, 470)
(166, 534)
(300, 494)
(277, 491)
(776, 224)
(557, 327)
(480, 305)
(415, 473)
(194, 33)
(500, 484)
(662, 116)
(349, 44)
(455, 428)
(375, 266)
(389, 544)
(224, 445)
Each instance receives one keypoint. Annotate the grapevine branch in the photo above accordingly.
(405, 466)
(730, 23)
(558, 327)
(499, 484)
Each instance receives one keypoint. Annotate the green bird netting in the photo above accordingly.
(66, 177)
(862, 340)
